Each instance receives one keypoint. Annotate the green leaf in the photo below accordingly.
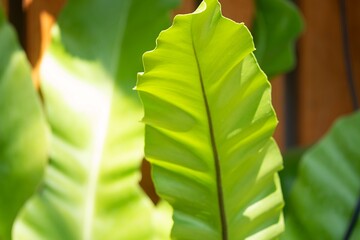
(277, 25)
(209, 123)
(23, 143)
(328, 185)
(163, 220)
(116, 33)
(91, 186)
(291, 160)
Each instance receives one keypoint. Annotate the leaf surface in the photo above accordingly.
(277, 25)
(208, 132)
(91, 185)
(23, 143)
(327, 186)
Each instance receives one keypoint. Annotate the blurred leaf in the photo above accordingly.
(91, 185)
(23, 144)
(163, 220)
(277, 25)
(328, 184)
(292, 159)
(114, 33)
(209, 123)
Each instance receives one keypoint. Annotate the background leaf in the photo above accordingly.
(91, 185)
(209, 123)
(114, 33)
(328, 185)
(277, 25)
(163, 220)
(291, 159)
(23, 143)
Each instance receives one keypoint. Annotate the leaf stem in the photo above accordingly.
(353, 221)
(346, 52)
(220, 196)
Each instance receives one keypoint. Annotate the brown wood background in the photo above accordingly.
(4, 3)
(321, 92)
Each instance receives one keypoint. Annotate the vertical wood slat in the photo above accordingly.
(186, 6)
(40, 16)
(353, 10)
(322, 86)
(4, 6)
(238, 10)
(278, 101)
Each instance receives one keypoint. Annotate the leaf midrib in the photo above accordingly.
(101, 134)
(224, 231)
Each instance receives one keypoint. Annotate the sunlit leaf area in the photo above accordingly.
(179, 119)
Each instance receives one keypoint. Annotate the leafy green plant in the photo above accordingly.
(277, 25)
(91, 182)
(208, 120)
(208, 129)
(95, 138)
(326, 190)
(23, 144)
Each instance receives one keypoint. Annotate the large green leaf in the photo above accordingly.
(162, 218)
(91, 185)
(277, 25)
(23, 143)
(209, 123)
(326, 190)
(116, 33)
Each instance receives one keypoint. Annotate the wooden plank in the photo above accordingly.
(278, 101)
(186, 6)
(238, 10)
(323, 93)
(40, 16)
(4, 6)
(353, 10)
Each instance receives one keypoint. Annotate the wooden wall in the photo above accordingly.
(40, 15)
(323, 91)
(4, 4)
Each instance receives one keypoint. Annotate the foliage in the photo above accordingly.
(327, 187)
(91, 185)
(208, 129)
(277, 25)
(23, 144)
(216, 120)
(292, 158)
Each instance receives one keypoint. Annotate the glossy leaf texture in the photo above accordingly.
(23, 142)
(91, 186)
(277, 25)
(209, 123)
(327, 187)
